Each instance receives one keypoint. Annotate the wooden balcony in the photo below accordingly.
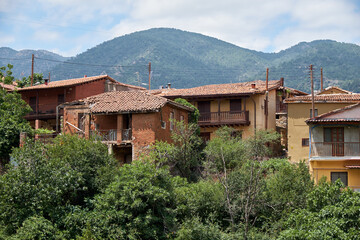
(224, 118)
(43, 111)
(112, 135)
(334, 150)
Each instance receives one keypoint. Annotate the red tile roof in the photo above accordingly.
(324, 98)
(76, 81)
(326, 117)
(127, 101)
(244, 88)
(9, 87)
(331, 89)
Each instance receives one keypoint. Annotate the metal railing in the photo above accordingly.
(112, 135)
(335, 149)
(224, 117)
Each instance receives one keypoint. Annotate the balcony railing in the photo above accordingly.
(43, 110)
(335, 149)
(112, 135)
(216, 118)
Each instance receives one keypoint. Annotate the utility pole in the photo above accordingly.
(267, 99)
(32, 69)
(322, 80)
(149, 75)
(312, 92)
(49, 76)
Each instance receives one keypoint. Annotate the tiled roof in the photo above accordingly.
(222, 89)
(331, 89)
(326, 117)
(127, 101)
(351, 98)
(10, 87)
(294, 91)
(76, 81)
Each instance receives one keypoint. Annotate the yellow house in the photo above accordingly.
(299, 110)
(335, 145)
(242, 106)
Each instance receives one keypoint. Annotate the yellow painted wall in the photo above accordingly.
(321, 169)
(298, 113)
(260, 114)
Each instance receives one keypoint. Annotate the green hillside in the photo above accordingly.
(22, 61)
(188, 59)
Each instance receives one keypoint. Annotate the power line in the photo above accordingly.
(88, 64)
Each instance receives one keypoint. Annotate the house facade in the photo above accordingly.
(127, 121)
(299, 110)
(45, 98)
(335, 146)
(242, 106)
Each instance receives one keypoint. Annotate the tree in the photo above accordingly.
(139, 204)
(194, 116)
(332, 212)
(26, 81)
(6, 75)
(12, 122)
(52, 182)
(236, 164)
(183, 156)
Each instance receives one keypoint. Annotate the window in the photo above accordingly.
(81, 121)
(235, 105)
(32, 103)
(343, 176)
(205, 136)
(163, 124)
(61, 98)
(181, 118)
(172, 117)
(305, 142)
(316, 112)
(236, 134)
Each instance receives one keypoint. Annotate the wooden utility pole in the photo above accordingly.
(321, 80)
(149, 75)
(312, 92)
(267, 99)
(49, 76)
(32, 69)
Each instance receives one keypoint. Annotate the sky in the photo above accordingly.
(70, 27)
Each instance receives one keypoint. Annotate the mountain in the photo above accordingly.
(188, 59)
(21, 60)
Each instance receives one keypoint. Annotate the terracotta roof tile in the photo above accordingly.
(127, 101)
(76, 81)
(330, 89)
(351, 98)
(222, 89)
(9, 87)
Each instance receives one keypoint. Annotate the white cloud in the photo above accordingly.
(254, 24)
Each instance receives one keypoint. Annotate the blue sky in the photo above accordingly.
(69, 27)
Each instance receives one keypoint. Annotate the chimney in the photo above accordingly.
(282, 82)
(46, 81)
(85, 76)
(253, 85)
(169, 85)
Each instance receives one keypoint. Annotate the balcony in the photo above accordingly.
(43, 111)
(334, 150)
(112, 135)
(224, 118)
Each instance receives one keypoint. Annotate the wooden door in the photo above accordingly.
(204, 109)
(335, 136)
